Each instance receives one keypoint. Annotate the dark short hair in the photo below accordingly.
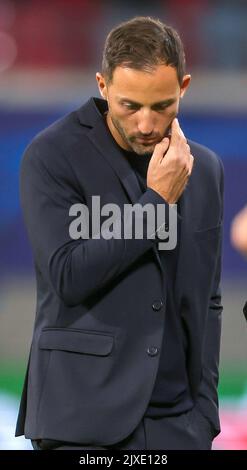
(143, 43)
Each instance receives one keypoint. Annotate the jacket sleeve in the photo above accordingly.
(74, 268)
(208, 396)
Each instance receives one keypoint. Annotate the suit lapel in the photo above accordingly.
(103, 141)
(101, 138)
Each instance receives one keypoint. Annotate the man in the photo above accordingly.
(126, 340)
(239, 237)
(239, 231)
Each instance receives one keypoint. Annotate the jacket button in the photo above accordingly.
(152, 351)
(157, 305)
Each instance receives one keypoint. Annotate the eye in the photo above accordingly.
(161, 107)
(131, 106)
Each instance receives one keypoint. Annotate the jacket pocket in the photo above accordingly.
(207, 233)
(77, 341)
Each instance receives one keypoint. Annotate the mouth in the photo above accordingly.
(147, 141)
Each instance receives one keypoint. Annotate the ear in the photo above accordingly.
(101, 85)
(185, 84)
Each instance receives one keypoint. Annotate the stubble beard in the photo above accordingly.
(139, 149)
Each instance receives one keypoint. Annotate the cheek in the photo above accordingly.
(120, 115)
(168, 116)
(127, 122)
(172, 112)
(166, 119)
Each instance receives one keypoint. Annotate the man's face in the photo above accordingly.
(142, 105)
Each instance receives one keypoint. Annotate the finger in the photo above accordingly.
(176, 131)
(191, 164)
(182, 134)
(161, 149)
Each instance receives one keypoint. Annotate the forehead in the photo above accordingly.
(158, 84)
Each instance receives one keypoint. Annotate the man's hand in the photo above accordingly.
(171, 165)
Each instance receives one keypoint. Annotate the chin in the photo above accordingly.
(143, 149)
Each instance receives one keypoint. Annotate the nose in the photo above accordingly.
(145, 123)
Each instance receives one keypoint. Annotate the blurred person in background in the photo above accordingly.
(239, 231)
(126, 339)
(239, 237)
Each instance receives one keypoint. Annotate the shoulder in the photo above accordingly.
(206, 159)
(51, 147)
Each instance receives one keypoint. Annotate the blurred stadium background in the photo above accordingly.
(49, 52)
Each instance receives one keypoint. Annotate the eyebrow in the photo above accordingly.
(159, 103)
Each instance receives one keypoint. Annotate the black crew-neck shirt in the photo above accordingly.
(171, 392)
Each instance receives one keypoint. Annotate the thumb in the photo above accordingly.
(166, 143)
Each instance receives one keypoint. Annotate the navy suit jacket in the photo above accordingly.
(97, 335)
(245, 310)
